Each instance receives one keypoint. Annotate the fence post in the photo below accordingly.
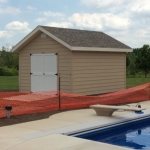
(59, 95)
(149, 91)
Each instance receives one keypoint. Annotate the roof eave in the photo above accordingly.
(101, 49)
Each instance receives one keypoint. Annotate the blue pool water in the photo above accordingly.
(135, 135)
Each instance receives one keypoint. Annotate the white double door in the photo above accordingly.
(43, 72)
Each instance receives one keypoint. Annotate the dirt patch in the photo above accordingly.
(26, 118)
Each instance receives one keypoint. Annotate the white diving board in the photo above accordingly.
(107, 110)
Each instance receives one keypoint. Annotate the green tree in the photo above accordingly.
(143, 59)
(127, 60)
(130, 64)
(9, 59)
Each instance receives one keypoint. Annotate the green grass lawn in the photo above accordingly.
(9, 83)
(131, 82)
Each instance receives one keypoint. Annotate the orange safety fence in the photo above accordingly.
(27, 103)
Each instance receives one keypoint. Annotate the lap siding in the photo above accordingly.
(98, 72)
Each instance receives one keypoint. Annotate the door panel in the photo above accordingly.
(50, 82)
(50, 69)
(37, 63)
(43, 72)
(50, 64)
(36, 83)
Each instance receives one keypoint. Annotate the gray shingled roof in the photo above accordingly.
(84, 38)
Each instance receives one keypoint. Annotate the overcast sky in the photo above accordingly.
(126, 20)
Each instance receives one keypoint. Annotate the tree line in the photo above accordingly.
(138, 61)
(9, 63)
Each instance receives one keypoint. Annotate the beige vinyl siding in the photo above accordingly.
(98, 72)
(45, 45)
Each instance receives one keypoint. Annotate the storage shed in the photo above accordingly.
(86, 62)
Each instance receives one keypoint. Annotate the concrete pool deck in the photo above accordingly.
(48, 134)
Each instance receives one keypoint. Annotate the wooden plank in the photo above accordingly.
(67, 52)
(25, 72)
(63, 61)
(25, 82)
(94, 53)
(43, 50)
(92, 84)
(102, 74)
(65, 64)
(97, 71)
(25, 62)
(65, 87)
(97, 54)
(65, 83)
(64, 79)
(95, 92)
(97, 78)
(99, 89)
(97, 68)
(42, 46)
(65, 72)
(115, 60)
(77, 64)
(65, 57)
(64, 69)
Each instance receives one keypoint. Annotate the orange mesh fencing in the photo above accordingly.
(27, 103)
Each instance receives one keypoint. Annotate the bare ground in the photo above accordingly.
(26, 118)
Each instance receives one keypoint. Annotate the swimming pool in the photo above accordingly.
(133, 134)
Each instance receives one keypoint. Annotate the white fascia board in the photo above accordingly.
(101, 49)
(15, 48)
